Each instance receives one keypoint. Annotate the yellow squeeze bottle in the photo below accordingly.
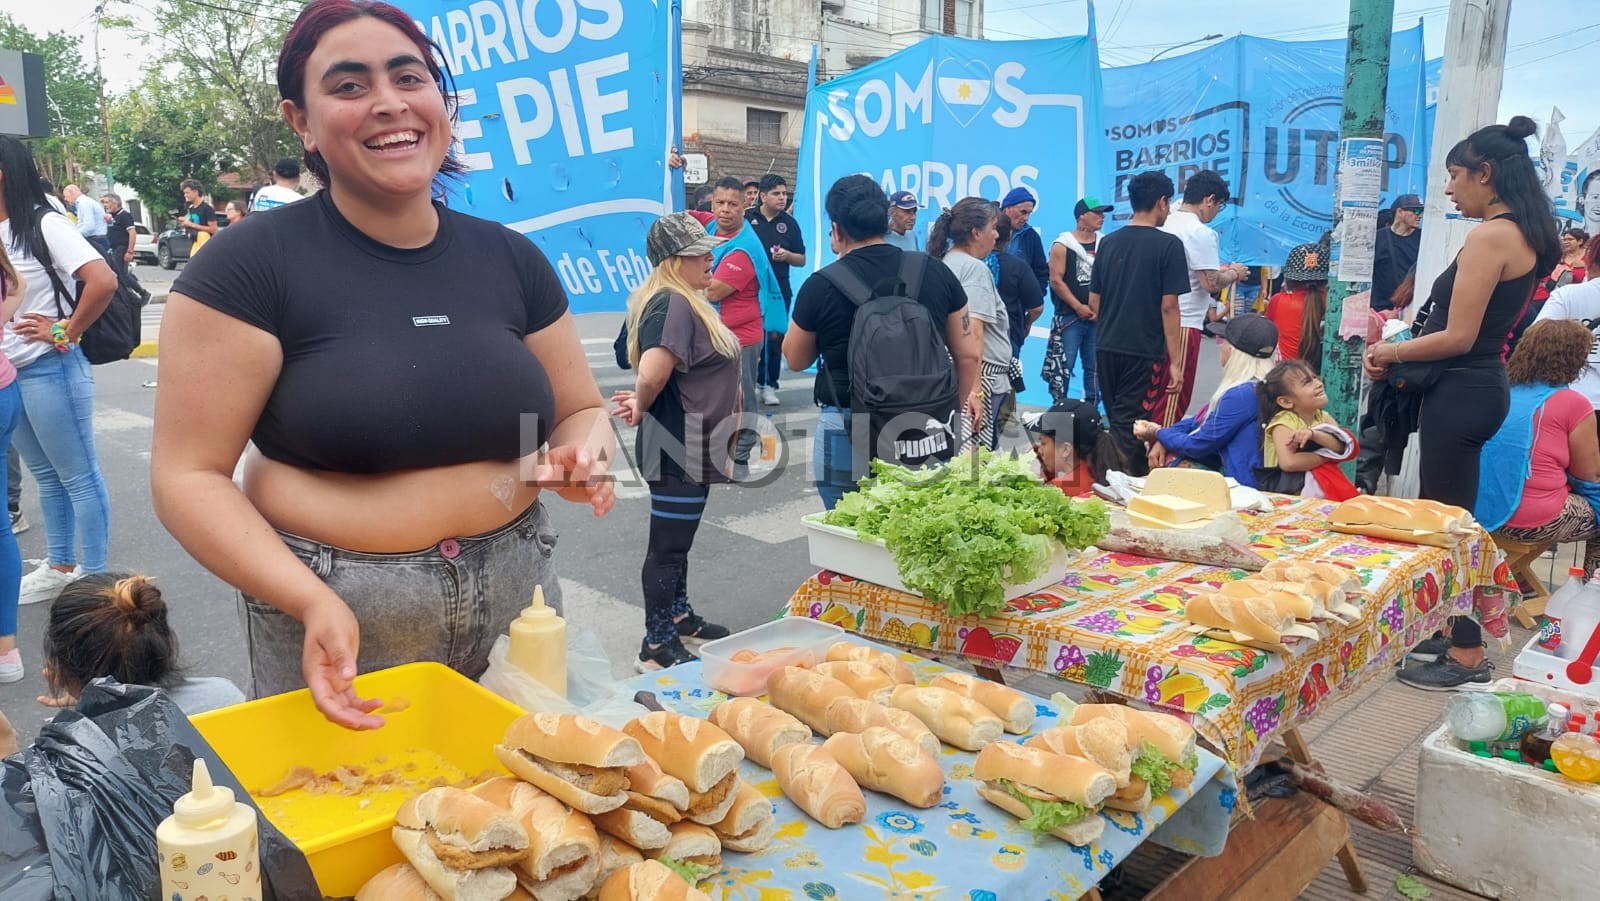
(539, 644)
(207, 848)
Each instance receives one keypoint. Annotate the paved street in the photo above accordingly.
(748, 558)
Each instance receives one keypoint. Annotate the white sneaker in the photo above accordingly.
(44, 583)
(11, 666)
(769, 396)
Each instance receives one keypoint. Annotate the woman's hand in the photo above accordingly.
(1375, 370)
(577, 476)
(58, 701)
(328, 663)
(1145, 430)
(627, 407)
(32, 327)
(1157, 456)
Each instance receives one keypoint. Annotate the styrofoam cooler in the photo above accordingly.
(842, 551)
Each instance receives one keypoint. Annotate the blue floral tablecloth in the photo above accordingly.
(961, 850)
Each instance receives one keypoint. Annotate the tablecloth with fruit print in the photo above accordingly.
(962, 849)
(1116, 623)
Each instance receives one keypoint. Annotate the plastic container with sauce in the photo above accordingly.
(207, 848)
(539, 644)
(1576, 755)
(791, 641)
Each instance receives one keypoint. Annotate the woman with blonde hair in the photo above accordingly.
(685, 403)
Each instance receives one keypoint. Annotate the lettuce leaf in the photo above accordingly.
(692, 873)
(1045, 816)
(1153, 767)
(1191, 761)
(960, 532)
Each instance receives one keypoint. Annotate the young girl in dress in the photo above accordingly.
(1302, 446)
(1073, 447)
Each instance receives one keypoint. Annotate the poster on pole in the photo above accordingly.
(1360, 186)
(566, 113)
(1264, 115)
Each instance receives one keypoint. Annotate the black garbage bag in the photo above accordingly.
(79, 808)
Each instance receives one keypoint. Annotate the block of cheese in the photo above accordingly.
(1167, 509)
(1209, 489)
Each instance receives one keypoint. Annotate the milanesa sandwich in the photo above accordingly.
(694, 852)
(750, 823)
(580, 761)
(562, 845)
(648, 881)
(1011, 706)
(615, 854)
(1164, 748)
(655, 801)
(1050, 793)
(400, 882)
(1103, 741)
(866, 680)
(460, 844)
(958, 720)
(1341, 583)
(1412, 521)
(758, 727)
(886, 761)
(857, 715)
(818, 785)
(805, 695)
(898, 669)
(704, 757)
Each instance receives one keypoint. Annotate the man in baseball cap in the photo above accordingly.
(1091, 204)
(1072, 327)
(1397, 249)
(903, 207)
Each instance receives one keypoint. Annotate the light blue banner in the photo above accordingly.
(949, 118)
(1265, 115)
(567, 112)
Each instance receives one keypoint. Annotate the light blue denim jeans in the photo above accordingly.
(10, 558)
(56, 438)
(446, 603)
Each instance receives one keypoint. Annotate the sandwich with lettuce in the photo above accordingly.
(1050, 793)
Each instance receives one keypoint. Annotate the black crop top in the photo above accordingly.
(392, 359)
(1506, 305)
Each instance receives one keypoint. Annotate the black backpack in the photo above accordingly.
(116, 333)
(901, 375)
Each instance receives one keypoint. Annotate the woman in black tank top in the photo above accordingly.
(1474, 305)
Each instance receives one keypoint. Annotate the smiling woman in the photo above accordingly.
(401, 426)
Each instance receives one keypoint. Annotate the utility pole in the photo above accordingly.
(100, 86)
(1355, 204)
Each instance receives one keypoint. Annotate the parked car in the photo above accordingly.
(144, 244)
(175, 243)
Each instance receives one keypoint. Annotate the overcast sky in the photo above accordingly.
(1552, 43)
(1551, 46)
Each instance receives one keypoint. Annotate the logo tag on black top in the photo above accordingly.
(424, 321)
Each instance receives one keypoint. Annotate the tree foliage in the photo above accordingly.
(168, 129)
(74, 110)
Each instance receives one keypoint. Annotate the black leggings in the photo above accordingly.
(1461, 413)
(676, 506)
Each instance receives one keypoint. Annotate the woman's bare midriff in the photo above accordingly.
(392, 513)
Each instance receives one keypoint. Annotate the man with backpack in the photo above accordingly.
(897, 347)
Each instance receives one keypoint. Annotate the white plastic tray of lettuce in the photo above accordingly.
(958, 534)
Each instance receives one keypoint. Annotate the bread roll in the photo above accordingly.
(691, 843)
(615, 854)
(806, 695)
(1046, 776)
(648, 881)
(1254, 618)
(562, 843)
(957, 720)
(646, 778)
(1290, 598)
(1103, 741)
(635, 827)
(889, 662)
(687, 748)
(1171, 736)
(750, 823)
(470, 859)
(886, 761)
(576, 759)
(818, 785)
(1011, 706)
(400, 882)
(1412, 521)
(1084, 832)
(758, 727)
(866, 680)
(710, 807)
(857, 715)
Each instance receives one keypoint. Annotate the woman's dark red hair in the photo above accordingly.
(321, 16)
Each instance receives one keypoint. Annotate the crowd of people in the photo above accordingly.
(393, 503)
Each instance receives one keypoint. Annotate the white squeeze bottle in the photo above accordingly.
(207, 848)
(1558, 607)
(539, 644)
(1583, 615)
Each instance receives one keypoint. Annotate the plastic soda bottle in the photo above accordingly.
(1577, 756)
(1558, 607)
(769, 440)
(1494, 716)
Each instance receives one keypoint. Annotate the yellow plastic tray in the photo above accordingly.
(449, 729)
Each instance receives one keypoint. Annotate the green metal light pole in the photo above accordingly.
(1361, 161)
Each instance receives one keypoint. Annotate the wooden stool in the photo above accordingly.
(1520, 556)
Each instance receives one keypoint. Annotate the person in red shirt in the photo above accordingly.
(736, 290)
(1299, 308)
(1073, 447)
